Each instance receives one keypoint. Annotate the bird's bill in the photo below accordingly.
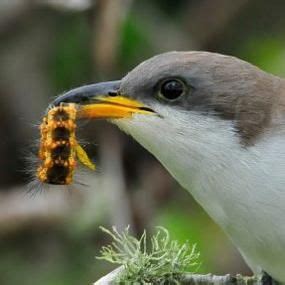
(101, 101)
(112, 108)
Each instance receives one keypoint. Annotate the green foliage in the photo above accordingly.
(267, 53)
(162, 263)
(135, 43)
(71, 63)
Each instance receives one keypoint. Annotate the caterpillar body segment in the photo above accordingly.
(58, 147)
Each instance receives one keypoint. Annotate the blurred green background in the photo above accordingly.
(50, 46)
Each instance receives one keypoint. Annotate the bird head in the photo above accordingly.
(184, 100)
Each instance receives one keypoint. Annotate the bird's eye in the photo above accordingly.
(171, 89)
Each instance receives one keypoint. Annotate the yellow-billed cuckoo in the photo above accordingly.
(217, 124)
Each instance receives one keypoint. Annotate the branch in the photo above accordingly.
(192, 279)
(199, 279)
(163, 263)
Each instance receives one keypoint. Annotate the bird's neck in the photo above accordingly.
(207, 160)
(205, 156)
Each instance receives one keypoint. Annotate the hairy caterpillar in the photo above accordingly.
(59, 148)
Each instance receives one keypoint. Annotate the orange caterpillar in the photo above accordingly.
(58, 147)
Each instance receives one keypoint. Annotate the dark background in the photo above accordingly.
(48, 47)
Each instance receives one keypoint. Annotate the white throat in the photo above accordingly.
(242, 189)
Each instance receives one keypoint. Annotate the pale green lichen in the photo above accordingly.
(162, 262)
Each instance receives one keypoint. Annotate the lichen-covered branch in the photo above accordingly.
(208, 279)
(164, 261)
(191, 279)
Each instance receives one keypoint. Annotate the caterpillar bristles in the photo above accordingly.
(35, 186)
(59, 149)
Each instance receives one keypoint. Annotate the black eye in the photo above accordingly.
(171, 89)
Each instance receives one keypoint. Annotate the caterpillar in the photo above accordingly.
(59, 148)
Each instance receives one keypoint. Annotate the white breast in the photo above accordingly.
(242, 189)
